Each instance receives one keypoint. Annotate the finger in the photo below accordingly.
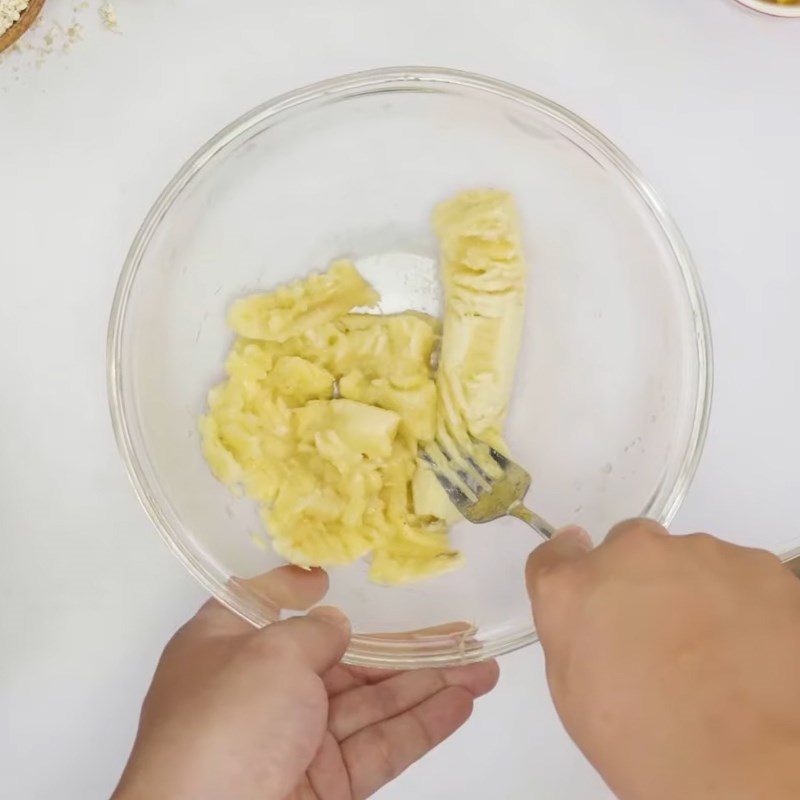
(568, 544)
(365, 705)
(341, 678)
(635, 527)
(283, 587)
(287, 587)
(378, 754)
(214, 619)
(456, 630)
(318, 640)
(326, 777)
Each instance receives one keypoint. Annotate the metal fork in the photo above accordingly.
(481, 497)
(483, 492)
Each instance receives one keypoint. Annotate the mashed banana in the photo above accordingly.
(323, 410)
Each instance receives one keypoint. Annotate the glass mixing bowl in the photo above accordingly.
(614, 379)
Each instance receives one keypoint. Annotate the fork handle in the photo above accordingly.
(533, 520)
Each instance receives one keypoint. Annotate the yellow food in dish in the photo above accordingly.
(321, 427)
(293, 309)
(324, 410)
(483, 274)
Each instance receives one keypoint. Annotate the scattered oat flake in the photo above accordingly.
(56, 31)
(109, 16)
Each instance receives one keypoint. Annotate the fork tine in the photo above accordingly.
(483, 457)
(499, 458)
(425, 456)
(479, 470)
(458, 497)
(483, 484)
(475, 483)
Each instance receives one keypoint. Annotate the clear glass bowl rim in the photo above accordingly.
(366, 650)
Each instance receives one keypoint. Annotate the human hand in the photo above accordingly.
(673, 661)
(244, 714)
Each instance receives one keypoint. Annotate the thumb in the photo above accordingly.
(568, 544)
(318, 640)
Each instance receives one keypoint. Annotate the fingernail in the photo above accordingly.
(580, 534)
(332, 616)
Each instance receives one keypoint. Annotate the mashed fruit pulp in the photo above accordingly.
(324, 410)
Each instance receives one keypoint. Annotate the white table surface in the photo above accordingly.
(702, 94)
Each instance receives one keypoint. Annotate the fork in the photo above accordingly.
(483, 493)
(488, 497)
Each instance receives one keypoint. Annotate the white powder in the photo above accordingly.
(10, 11)
(404, 280)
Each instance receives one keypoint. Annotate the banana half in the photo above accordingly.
(483, 275)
